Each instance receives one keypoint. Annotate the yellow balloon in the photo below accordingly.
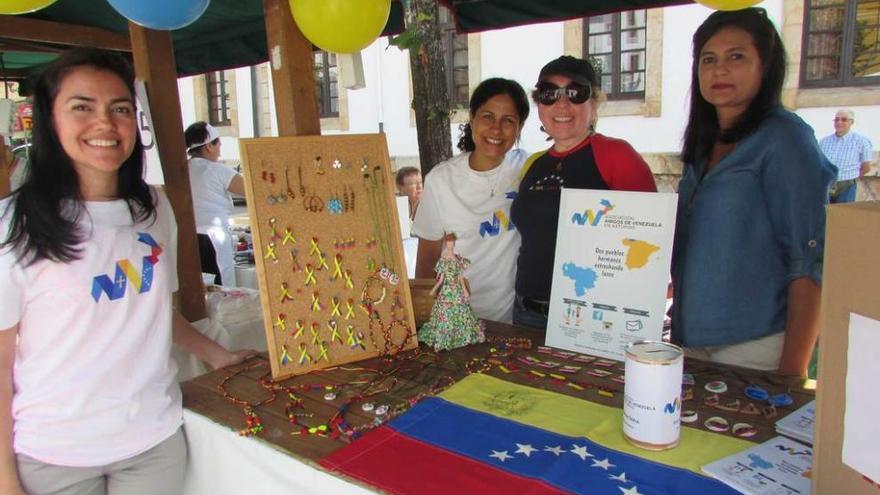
(23, 6)
(341, 26)
(728, 4)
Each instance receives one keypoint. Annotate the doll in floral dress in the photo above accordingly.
(453, 323)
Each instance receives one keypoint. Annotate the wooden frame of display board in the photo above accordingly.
(329, 259)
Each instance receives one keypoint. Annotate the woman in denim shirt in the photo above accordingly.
(749, 236)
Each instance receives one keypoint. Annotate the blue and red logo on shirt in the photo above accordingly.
(127, 273)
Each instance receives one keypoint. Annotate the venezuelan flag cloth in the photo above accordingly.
(487, 436)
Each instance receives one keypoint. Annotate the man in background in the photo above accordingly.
(409, 184)
(850, 152)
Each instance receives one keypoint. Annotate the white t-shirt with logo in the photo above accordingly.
(94, 382)
(475, 206)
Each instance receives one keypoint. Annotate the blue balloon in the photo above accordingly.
(164, 15)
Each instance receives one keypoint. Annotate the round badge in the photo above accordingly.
(717, 423)
(755, 392)
(689, 416)
(780, 400)
(744, 430)
(330, 396)
(716, 387)
(381, 410)
(367, 406)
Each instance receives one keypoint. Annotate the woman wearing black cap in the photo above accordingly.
(567, 95)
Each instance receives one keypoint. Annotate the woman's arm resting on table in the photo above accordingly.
(428, 254)
(9, 482)
(802, 327)
(188, 337)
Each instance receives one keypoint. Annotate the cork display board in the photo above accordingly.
(328, 253)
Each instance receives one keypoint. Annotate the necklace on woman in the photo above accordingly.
(497, 176)
(488, 174)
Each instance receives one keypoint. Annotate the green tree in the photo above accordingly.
(430, 94)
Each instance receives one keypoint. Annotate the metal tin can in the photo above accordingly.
(652, 394)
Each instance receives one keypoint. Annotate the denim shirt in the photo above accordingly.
(748, 228)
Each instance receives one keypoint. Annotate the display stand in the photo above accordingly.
(330, 264)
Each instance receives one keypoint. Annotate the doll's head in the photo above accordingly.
(449, 245)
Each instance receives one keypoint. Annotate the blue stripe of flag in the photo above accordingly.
(569, 463)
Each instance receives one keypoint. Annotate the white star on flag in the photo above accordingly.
(556, 450)
(621, 478)
(525, 449)
(500, 455)
(581, 451)
(630, 491)
(604, 464)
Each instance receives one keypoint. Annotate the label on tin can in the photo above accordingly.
(652, 394)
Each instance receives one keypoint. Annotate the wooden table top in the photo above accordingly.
(397, 381)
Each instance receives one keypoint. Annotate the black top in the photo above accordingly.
(535, 212)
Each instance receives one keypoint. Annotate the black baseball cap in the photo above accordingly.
(577, 69)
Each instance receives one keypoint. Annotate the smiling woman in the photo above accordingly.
(87, 269)
(568, 95)
(94, 118)
(470, 196)
(746, 154)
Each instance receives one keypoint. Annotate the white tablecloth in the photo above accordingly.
(234, 321)
(246, 276)
(222, 462)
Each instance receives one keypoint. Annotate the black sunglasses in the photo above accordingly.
(549, 93)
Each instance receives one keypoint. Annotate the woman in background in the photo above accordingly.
(470, 195)
(568, 94)
(749, 238)
(211, 182)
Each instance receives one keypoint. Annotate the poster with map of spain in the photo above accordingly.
(611, 270)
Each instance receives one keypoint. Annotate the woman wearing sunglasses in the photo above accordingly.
(568, 95)
(751, 207)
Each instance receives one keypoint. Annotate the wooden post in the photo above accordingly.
(5, 167)
(293, 74)
(154, 64)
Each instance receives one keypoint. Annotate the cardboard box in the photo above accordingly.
(851, 284)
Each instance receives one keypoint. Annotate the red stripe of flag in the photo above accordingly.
(399, 464)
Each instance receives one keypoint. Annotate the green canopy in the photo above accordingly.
(483, 15)
(232, 33)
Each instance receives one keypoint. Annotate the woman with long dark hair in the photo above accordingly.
(470, 194)
(751, 217)
(88, 396)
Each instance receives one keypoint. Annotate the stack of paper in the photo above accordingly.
(799, 424)
(779, 466)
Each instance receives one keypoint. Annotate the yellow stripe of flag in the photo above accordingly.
(579, 418)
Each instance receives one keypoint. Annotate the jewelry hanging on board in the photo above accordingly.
(290, 193)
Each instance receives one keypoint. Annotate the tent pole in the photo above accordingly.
(154, 64)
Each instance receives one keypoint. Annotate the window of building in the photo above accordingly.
(326, 75)
(218, 98)
(455, 55)
(616, 42)
(841, 46)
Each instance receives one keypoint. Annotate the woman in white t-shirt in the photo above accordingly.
(470, 194)
(211, 182)
(89, 401)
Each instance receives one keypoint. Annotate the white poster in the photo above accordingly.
(152, 162)
(861, 434)
(611, 270)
